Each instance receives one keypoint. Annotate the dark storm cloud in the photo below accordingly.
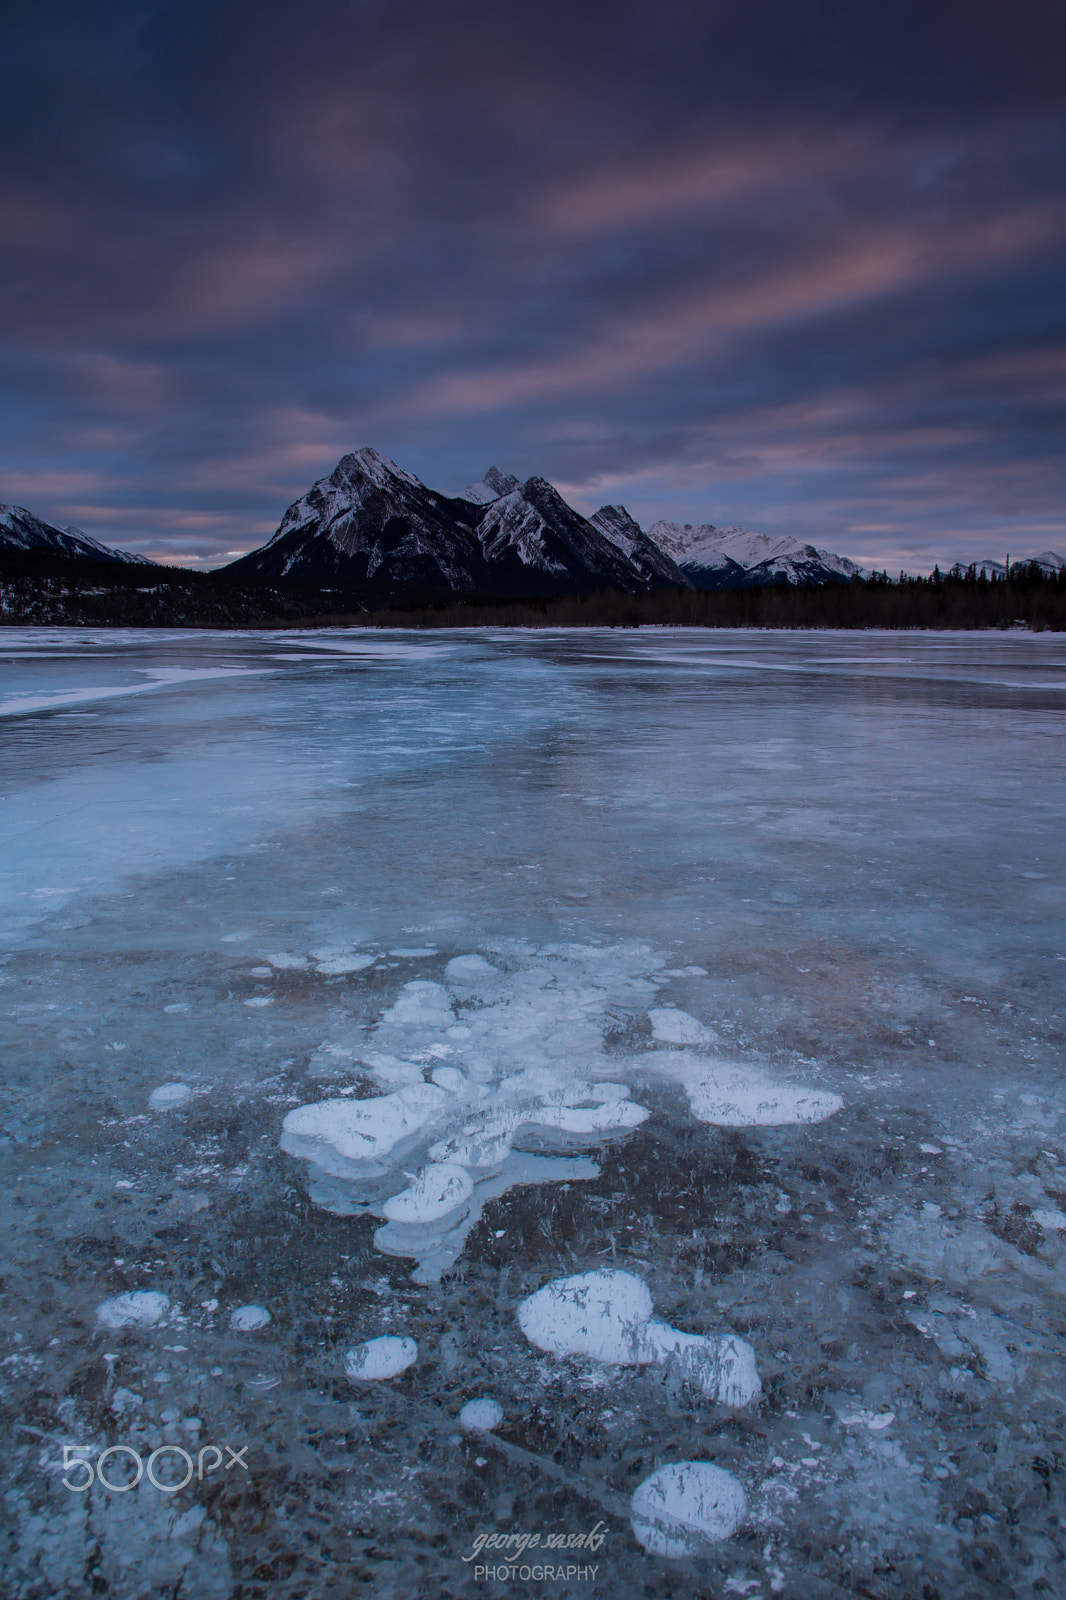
(795, 264)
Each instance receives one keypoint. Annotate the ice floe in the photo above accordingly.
(246, 1319)
(380, 1358)
(606, 1316)
(685, 1506)
(484, 1414)
(169, 1095)
(138, 1308)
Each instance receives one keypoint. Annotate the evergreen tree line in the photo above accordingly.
(50, 590)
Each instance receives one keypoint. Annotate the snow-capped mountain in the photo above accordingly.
(21, 530)
(727, 558)
(654, 564)
(1048, 561)
(375, 526)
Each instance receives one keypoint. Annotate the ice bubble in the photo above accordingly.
(139, 1308)
(599, 1314)
(484, 1413)
(1054, 1220)
(469, 969)
(606, 1316)
(245, 1319)
(284, 962)
(439, 1189)
(380, 1358)
(260, 972)
(167, 1095)
(339, 966)
(685, 1506)
(260, 1000)
(421, 1004)
(673, 1026)
(734, 1096)
(361, 1130)
(414, 953)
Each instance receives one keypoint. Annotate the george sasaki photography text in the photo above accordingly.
(514, 1546)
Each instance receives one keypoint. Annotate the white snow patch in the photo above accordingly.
(245, 1319)
(483, 1414)
(380, 1358)
(139, 1308)
(284, 962)
(1051, 1219)
(685, 1506)
(260, 1000)
(168, 1095)
(606, 1316)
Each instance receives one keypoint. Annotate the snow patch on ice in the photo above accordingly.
(139, 1308)
(674, 1026)
(380, 1358)
(685, 1506)
(606, 1316)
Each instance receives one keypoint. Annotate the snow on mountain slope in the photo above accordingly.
(534, 523)
(652, 562)
(21, 530)
(494, 484)
(719, 557)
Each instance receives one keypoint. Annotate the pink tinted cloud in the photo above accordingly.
(871, 264)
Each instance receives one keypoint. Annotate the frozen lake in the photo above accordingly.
(653, 1037)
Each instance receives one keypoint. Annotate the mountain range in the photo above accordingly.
(377, 533)
(375, 526)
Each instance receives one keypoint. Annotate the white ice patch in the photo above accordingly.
(246, 1319)
(340, 966)
(380, 1358)
(731, 1094)
(673, 1026)
(685, 1506)
(282, 961)
(1055, 1221)
(260, 1000)
(606, 1316)
(168, 1095)
(438, 1191)
(139, 1308)
(482, 1414)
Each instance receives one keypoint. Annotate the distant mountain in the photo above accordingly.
(21, 530)
(1048, 562)
(729, 558)
(377, 528)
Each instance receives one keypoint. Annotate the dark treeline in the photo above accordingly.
(59, 591)
(958, 599)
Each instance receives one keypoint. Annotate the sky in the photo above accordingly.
(794, 264)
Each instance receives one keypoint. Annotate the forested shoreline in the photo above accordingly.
(57, 592)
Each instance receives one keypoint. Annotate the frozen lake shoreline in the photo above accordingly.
(529, 881)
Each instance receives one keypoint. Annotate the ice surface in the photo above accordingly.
(685, 1506)
(381, 1358)
(743, 957)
